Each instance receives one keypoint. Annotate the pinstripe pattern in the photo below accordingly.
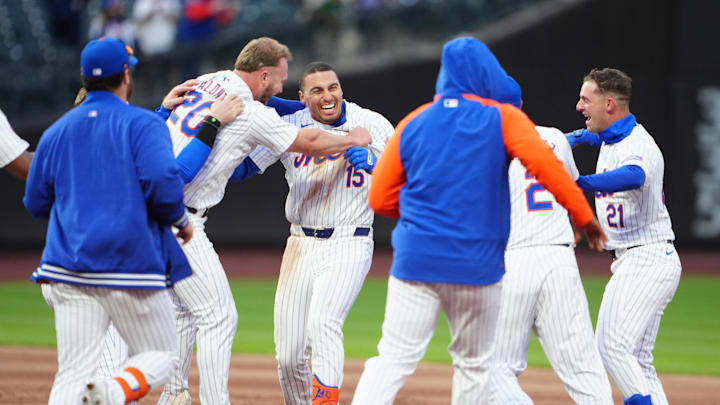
(645, 276)
(542, 292)
(319, 281)
(144, 319)
(645, 217)
(531, 226)
(318, 194)
(11, 145)
(643, 283)
(206, 313)
(256, 125)
(411, 313)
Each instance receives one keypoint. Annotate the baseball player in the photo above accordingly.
(542, 292)
(14, 156)
(105, 176)
(444, 173)
(330, 247)
(629, 201)
(205, 308)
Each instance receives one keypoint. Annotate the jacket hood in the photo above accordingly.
(468, 66)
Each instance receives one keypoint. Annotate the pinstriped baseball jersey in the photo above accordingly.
(639, 216)
(328, 191)
(257, 125)
(536, 217)
(11, 145)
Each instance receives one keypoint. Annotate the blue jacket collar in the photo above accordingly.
(343, 117)
(619, 130)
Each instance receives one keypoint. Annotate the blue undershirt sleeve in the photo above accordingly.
(163, 112)
(283, 106)
(191, 159)
(623, 178)
(246, 169)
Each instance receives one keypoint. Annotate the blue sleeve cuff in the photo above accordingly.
(163, 112)
(621, 179)
(191, 159)
(246, 169)
(583, 137)
(285, 107)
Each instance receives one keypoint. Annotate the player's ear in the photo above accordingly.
(610, 105)
(126, 77)
(301, 97)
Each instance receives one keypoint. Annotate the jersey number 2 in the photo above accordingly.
(193, 101)
(532, 204)
(614, 211)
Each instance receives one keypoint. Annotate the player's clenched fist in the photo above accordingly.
(360, 136)
(361, 158)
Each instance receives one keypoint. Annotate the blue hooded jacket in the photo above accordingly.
(445, 173)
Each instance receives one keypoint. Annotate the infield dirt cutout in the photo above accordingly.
(26, 375)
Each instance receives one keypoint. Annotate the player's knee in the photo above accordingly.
(325, 326)
(290, 361)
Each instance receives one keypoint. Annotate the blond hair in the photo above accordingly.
(260, 52)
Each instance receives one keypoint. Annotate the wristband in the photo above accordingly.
(208, 130)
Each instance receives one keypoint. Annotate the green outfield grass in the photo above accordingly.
(688, 340)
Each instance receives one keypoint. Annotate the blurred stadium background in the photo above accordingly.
(387, 55)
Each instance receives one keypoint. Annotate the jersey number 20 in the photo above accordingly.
(195, 103)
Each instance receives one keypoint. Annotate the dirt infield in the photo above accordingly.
(26, 376)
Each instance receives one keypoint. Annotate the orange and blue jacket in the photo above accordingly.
(444, 174)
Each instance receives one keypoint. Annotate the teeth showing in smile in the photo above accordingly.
(328, 106)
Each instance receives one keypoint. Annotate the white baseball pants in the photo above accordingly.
(319, 281)
(542, 291)
(643, 283)
(144, 319)
(206, 313)
(411, 313)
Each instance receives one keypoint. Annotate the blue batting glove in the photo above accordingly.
(361, 158)
(583, 137)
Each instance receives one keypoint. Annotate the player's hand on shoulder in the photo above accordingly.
(176, 95)
(595, 236)
(360, 136)
(361, 158)
(227, 108)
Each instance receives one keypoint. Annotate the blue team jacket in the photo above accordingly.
(444, 173)
(105, 176)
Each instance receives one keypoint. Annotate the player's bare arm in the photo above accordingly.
(21, 165)
(316, 142)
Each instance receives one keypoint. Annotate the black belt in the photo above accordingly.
(614, 255)
(326, 233)
(195, 211)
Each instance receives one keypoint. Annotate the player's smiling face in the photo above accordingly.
(593, 105)
(322, 93)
